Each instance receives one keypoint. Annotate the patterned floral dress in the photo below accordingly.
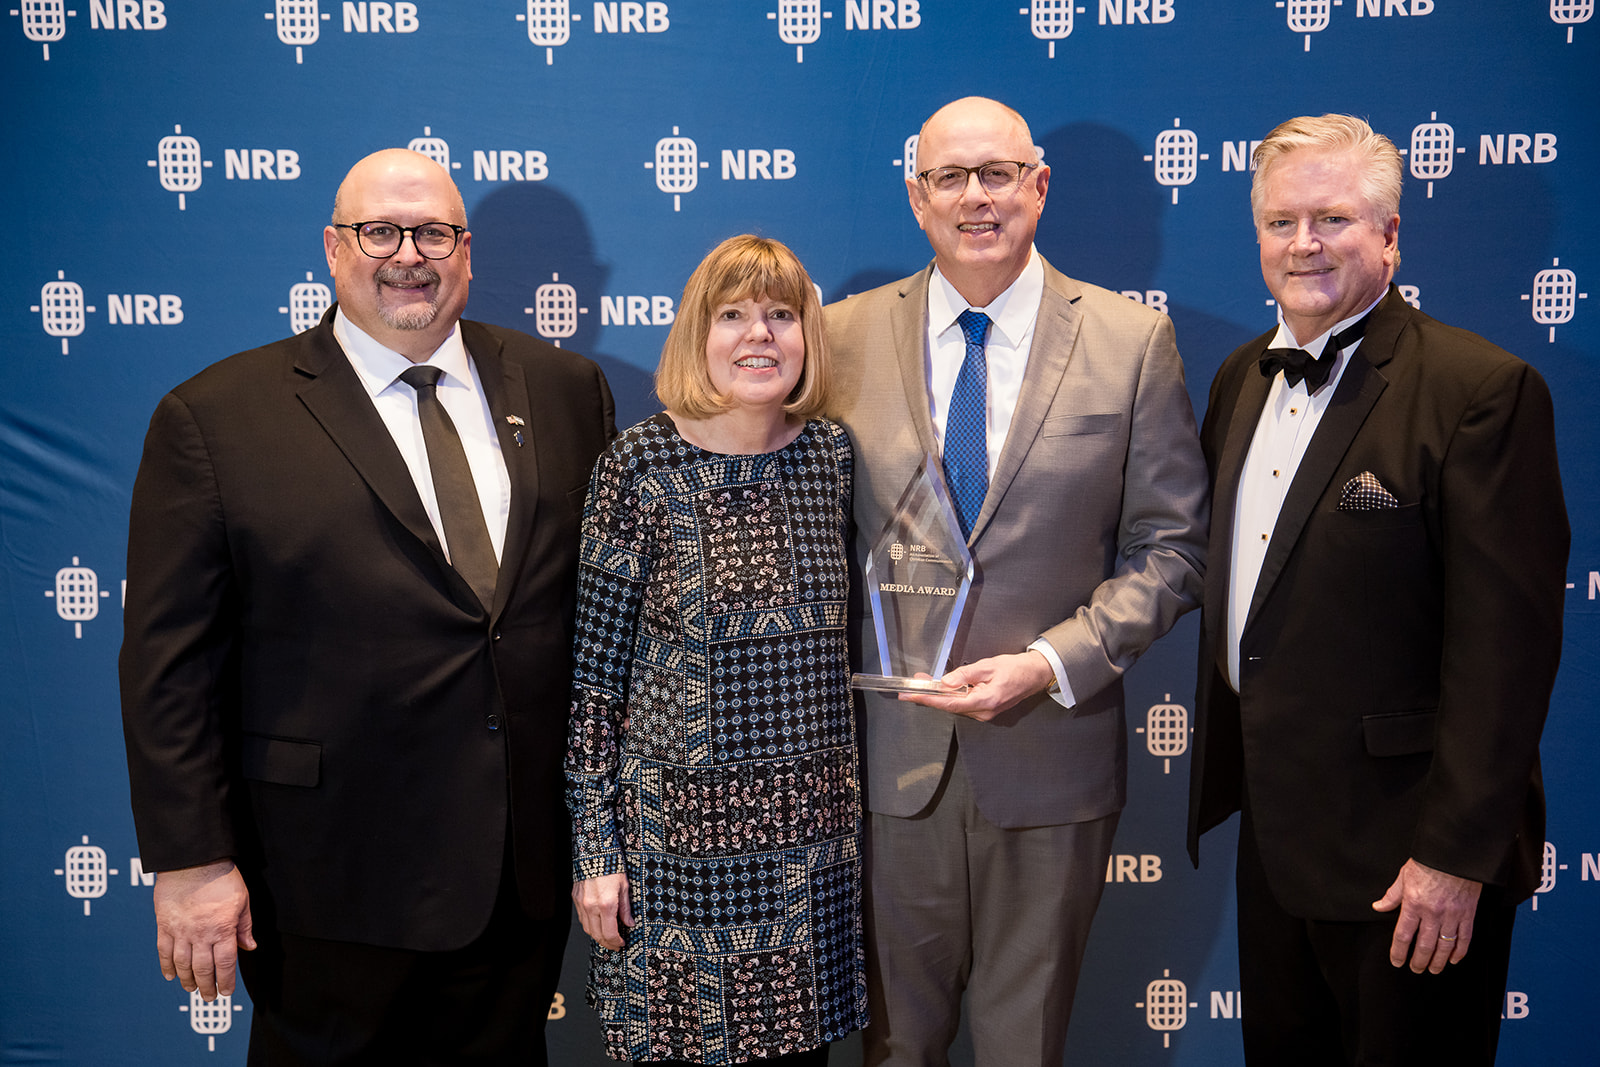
(712, 746)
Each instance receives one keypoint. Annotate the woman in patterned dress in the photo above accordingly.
(711, 767)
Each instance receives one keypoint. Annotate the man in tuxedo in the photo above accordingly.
(345, 670)
(1058, 414)
(1381, 630)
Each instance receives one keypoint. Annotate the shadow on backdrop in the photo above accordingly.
(527, 235)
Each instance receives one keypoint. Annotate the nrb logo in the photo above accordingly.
(307, 301)
(1166, 1006)
(1566, 13)
(1166, 731)
(1433, 150)
(61, 308)
(677, 165)
(435, 148)
(555, 310)
(1177, 155)
(46, 20)
(1554, 298)
(77, 595)
(84, 868)
(799, 24)
(210, 1017)
(178, 164)
(298, 24)
(1050, 20)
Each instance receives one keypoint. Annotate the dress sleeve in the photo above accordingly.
(613, 565)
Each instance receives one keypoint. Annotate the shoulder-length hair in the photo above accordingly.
(741, 268)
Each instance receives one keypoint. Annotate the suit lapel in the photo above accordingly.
(1055, 332)
(506, 388)
(336, 399)
(908, 326)
(1359, 389)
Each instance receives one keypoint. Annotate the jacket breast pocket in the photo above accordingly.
(1399, 733)
(281, 761)
(1074, 425)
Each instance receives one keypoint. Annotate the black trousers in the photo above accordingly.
(341, 1004)
(1318, 993)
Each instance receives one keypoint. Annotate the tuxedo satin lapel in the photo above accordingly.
(506, 388)
(1054, 334)
(1358, 391)
(337, 400)
(908, 329)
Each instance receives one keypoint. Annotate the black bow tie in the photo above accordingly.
(1299, 365)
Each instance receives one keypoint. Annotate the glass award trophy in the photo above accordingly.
(917, 575)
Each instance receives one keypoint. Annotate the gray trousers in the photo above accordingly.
(956, 905)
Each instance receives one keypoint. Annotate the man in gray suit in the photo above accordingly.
(1067, 439)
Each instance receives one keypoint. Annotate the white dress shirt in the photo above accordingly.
(461, 393)
(1283, 433)
(1012, 316)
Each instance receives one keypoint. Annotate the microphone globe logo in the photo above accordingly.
(1555, 296)
(1177, 156)
(84, 868)
(799, 24)
(1306, 16)
(435, 148)
(1166, 1006)
(1050, 20)
(555, 306)
(307, 302)
(677, 166)
(1166, 731)
(1547, 873)
(299, 24)
(43, 21)
(1433, 151)
(210, 1019)
(178, 164)
(77, 595)
(61, 309)
(1566, 13)
(549, 26)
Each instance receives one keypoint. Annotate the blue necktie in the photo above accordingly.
(966, 429)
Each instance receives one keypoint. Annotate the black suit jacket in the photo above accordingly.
(1396, 664)
(310, 688)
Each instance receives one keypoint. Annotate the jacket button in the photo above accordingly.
(492, 722)
(497, 635)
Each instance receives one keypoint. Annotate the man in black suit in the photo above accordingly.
(1382, 625)
(345, 669)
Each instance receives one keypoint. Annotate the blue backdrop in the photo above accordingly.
(172, 164)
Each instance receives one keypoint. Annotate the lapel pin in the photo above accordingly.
(516, 435)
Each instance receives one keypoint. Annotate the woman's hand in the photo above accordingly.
(603, 908)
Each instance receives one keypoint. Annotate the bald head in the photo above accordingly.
(975, 111)
(398, 168)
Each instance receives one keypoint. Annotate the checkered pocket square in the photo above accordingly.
(1365, 493)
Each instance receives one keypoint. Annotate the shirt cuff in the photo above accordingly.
(1062, 692)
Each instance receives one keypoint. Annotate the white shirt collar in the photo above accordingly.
(1285, 337)
(379, 366)
(1012, 312)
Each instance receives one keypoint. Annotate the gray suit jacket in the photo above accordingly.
(1093, 535)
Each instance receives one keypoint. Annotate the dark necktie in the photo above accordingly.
(1297, 364)
(966, 429)
(471, 551)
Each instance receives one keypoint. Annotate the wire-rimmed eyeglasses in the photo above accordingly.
(998, 176)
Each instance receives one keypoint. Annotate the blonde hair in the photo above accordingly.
(741, 268)
(1380, 160)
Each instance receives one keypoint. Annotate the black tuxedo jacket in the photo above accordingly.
(310, 688)
(1396, 664)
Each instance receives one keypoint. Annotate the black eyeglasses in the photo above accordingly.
(380, 240)
(998, 176)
